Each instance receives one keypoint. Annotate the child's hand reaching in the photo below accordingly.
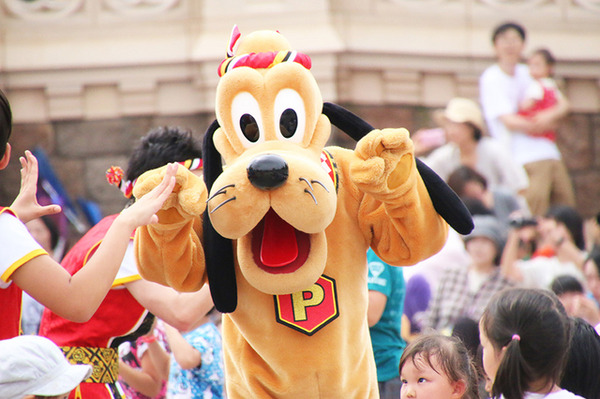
(143, 211)
(26, 205)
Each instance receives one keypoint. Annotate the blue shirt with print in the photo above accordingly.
(385, 335)
(206, 381)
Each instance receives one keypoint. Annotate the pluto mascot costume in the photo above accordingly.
(287, 225)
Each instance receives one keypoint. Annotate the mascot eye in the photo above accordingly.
(247, 119)
(290, 116)
(249, 127)
(288, 123)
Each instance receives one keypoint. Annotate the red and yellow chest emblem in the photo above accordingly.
(309, 310)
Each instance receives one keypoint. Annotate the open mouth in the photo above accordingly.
(277, 247)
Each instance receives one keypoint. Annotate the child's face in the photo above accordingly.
(538, 68)
(419, 380)
(491, 356)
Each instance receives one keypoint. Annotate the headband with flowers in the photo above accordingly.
(114, 176)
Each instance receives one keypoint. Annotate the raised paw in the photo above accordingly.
(187, 200)
(383, 162)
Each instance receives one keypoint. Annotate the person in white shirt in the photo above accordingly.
(502, 87)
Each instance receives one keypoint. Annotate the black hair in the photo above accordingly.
(533, 327)
(452, 356)
(594, 256)
(477, 133)
(572, 220)
(500, 29)
(566, 283)
(5, 123)
(461, 176)
(583, 363)
(467, 330)
(476, 206)
(160, 146)
(52, 229)
(546, 55)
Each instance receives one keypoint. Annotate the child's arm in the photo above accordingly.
(77, 297)
(26, 205)
(185, 354)
(182, 310)
(143, 380)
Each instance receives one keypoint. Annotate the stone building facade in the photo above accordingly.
(86, 78)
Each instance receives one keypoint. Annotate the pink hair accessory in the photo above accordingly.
(516, 336)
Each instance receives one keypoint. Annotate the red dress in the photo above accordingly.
(17, 248)
(120, 317)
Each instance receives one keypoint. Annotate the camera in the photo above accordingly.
(522, 221)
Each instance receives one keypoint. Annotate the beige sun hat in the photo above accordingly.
(462, 110)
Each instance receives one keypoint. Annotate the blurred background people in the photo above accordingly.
(467, 145)
(387, 291)
(559, 249)
(465, 291)
(502, 87)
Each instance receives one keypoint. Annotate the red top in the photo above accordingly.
(119, 314)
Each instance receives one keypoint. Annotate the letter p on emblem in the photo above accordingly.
(308, 310)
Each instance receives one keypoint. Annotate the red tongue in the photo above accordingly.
(278, 247)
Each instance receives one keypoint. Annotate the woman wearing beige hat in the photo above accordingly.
(467, 145)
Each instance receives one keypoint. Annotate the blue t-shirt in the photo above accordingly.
(385, 335)
(202, 382)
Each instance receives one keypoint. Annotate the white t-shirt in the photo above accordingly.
(493, 162)
(562, 394)
(128, 270)
(17, 247)
(539, 272)
(501, 94)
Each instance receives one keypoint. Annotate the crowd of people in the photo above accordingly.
(511, 310)
(505, 311)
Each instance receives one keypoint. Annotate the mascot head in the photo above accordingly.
(276, 196)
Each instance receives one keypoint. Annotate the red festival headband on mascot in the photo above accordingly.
(262, 60)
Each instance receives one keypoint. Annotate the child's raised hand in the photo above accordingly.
(143, 211)
(26, 205)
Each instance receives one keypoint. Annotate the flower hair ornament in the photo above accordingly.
(115, 174)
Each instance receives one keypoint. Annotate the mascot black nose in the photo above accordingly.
(267, 171)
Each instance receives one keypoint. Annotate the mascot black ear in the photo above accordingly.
(444, 199)
(218, 250)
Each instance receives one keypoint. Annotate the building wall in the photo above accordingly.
(86, 78)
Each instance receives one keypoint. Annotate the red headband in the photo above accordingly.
(263, 60)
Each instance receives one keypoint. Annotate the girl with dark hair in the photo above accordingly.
(437, 366)
(525, 334)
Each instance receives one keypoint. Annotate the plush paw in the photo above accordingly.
(383, 160)
(187, 200)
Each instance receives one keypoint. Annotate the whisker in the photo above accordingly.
(222, 190)
(223, 203)
(320, 184)
(307, 182)
(311, 194)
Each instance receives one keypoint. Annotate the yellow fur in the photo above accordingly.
(381, 202)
